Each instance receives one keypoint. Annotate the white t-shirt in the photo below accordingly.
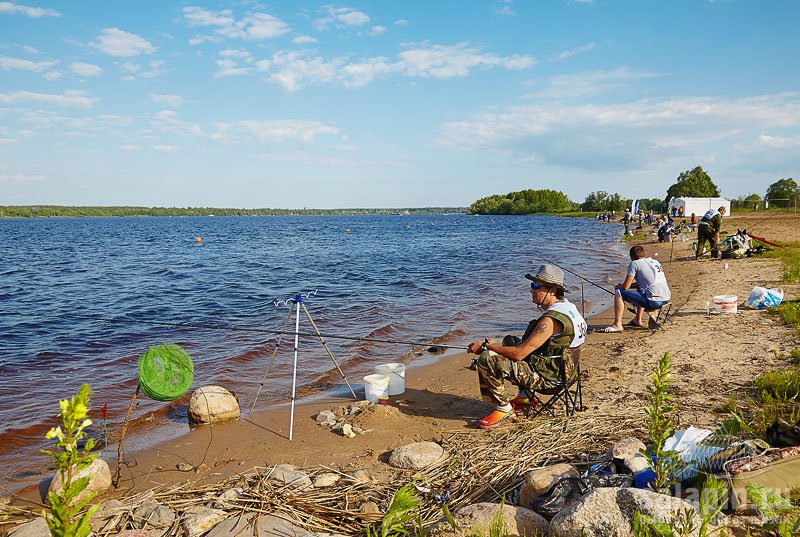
(649, 276)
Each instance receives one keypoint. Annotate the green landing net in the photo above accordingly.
(165, 372)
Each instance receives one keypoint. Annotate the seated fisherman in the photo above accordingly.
(651, 293)
(525, 361)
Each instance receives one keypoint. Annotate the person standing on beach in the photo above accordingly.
(527, 361)
(651, 293)
(708, 230)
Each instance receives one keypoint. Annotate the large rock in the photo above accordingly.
(625, 447)
(108, 516)
(212, 404)
(35, 528)
(610, 511)
(289, 475)
(254, 525)
(198, 520)
(477, 519)
(325, 480)
(153, 515)
(538, 481)
(99, 475)
(416, 456)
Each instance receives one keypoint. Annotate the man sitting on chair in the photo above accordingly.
(651, 293)
(527, 362)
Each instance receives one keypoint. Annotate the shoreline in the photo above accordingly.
(442, 397)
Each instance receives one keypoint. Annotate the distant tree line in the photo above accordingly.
(523, 202)
(31, 211)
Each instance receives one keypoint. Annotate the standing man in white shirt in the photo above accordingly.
(652, 290)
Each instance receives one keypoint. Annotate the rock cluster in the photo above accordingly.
(340, 419)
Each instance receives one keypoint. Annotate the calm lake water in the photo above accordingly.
(82, 298)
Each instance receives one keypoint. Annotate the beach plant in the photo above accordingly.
(401, 512)
(661, 425)
(713, 498)
(65, 518)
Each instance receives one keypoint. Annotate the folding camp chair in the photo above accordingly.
(660, 316)
(566, 390)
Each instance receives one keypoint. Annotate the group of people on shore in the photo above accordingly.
(531, 362)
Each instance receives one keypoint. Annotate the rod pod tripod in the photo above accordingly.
(297, 303)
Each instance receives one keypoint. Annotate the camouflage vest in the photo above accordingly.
(540, 359)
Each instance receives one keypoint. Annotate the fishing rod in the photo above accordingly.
(576, 274)
(246, 329)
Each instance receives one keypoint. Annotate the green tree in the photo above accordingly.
(784, 189)
(523, 202)
(694, 183)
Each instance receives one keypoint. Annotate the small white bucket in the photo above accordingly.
(376, 387)
(725, 303)
(397, 376)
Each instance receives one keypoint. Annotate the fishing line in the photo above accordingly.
(240, 329)
(576, 274)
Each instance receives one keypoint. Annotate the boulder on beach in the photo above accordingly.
(213, 404)
(290, 475)
(35, 528)
(99, 475)
(538, 481)
(478, 519)
(416, 456)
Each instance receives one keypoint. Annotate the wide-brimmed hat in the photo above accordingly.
(549, 275)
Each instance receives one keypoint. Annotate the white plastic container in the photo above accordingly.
(376, 387)
(397, 376)
(726, 303)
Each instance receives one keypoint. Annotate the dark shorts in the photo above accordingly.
(633, 296)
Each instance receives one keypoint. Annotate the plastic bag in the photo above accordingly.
(762, 298)
(569, 490)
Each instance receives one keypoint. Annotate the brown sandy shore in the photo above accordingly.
(713, 356)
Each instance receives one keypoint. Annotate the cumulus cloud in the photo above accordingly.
(12, 8)
(227, 67)
(340, 17)
(286, 130)
(68, 98)
(401, 22)
(21, 177)
(297, 69)
(377, 30)
(304, 40)
(175, 101)
(85, 69)
(119, 43)
(779, 142)
(155, 68)
(252, 27)
(624, 136)
(591, 83)
(578, 50)
(8, 64)
(161, 148)
(167, 121)
(53, 75)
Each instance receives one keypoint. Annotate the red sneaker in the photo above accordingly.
(520, 402)
(496, 418)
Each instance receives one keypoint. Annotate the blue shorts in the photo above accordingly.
(633, 296)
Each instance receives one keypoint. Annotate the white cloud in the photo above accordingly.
(68, 98)
(779, 142)
(175, 101)
(8, 140)
(155, 69)
(341, 17)
(296, 69)
(504, 8)
(304, 40)
(591, 83)
(278, 131)
(625, 136)
(161, 148)
(21, 178)
(7, 64)
(53, 75)
(12, 8)
(570, 53)
(119, 43)
(229, 68)
(233, 53)
(401, 22)
(85, 69)
(130, 148)
(253, 27)
(167, 121)
(441, 61)
(130, 67)
(377, 30)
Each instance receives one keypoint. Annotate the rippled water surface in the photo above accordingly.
(81, 299)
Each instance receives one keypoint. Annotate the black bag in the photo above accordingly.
(569, 490)
(783, 434)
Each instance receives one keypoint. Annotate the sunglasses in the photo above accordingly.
(535, 286)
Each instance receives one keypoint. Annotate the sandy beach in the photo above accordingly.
(713, 356)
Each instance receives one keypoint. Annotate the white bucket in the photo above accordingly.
(376, 387)
(397, 376)
(725, 303)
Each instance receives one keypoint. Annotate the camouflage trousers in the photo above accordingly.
(494, 370)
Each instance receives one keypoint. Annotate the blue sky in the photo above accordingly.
(391, 104)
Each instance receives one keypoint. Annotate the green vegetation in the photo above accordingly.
(523, 202)
(693, 183)
(64, 518)
(603, 201)
(661, 425)
(400, 513)
(712, 499)
(790, 255)
(784, 190)
(30, 211)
